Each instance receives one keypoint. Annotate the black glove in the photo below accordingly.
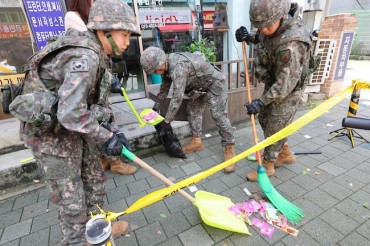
(166, 126)
(114, 145)
(242, 34)
(155, 110)
(254, 107)
(115, 85)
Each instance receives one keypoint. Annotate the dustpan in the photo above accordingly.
(213, 208)
(147, 115)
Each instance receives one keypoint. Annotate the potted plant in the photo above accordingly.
(207, 48)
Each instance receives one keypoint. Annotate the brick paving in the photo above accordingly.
(333, 193)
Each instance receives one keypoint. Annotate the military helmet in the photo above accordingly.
(109, 15)
(264, 13)
(152, 59)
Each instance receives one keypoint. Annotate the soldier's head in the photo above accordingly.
(153, 60)
(116, 18)
(266, 15)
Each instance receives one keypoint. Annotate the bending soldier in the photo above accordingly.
(282, 63)
(190, 74)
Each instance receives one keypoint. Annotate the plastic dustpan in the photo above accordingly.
(214, 210)
(147, 116)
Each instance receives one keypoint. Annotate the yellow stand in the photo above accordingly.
(352, 111)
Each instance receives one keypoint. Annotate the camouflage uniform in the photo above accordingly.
(204, 85)
(67, 153)
(281, 63)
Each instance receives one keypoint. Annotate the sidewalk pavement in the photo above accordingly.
(333, 189)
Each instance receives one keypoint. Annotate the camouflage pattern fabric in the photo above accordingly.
(112, 15)
(69, 156)
(281, 61)
(264, 13)
(153, 58)
(210, 89)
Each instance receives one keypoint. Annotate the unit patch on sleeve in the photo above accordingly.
(80, 65)
(284, 56)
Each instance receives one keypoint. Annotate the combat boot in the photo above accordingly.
(194, 145)
(270, 171)
(117, 166)
(229, 153)
(119, 228)
(285, 157)
(104, 163)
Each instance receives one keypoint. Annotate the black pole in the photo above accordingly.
(201, 18)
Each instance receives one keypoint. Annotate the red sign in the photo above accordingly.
(208, 16)
(14, 30)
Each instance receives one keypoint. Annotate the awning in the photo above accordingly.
(176, 28)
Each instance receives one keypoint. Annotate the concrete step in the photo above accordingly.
(12, 151)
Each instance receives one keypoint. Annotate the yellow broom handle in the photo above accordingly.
(141, 122)
(168, 182)
(246, 73)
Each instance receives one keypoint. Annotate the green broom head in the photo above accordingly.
(293, 213)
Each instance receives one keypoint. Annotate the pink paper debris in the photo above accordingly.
(267, 230)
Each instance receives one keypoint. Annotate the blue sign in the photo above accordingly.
(46, 19)
(343, 54)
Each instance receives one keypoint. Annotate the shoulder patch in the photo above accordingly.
(284, 56)
(80, 65)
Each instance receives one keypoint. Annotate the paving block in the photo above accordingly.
(45, 220)
(155, 211)
(10, 218)
(353, 209)
(25, 200)
(336, 190)
(331, 168)
(215, 186)
(306, 181)
(364, 229)
(118, 193)
(192, 215)
(175, 224)
(191, 168)
(40, 238)
(217, 234)
(354, 239)
(339, 221)
(322, 232)
(151, 234)
(177, 202)
(311, 210)
(6, 206)
(138, 186)
(302, 239)
(34, 210)
(196, 236)
(321, 198)
(255, 239)
(137, 220)
(16, 231)
(55, 234)
(171, 242)
(232, 180)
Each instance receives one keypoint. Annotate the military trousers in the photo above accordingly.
(218, 107)
(76, 185)
(274, 117)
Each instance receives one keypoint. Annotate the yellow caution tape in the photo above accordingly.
(29, 159)
(11, 79)
(288, 130)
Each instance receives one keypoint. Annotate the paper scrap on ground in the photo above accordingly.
(208, 135)
(307, 136)
(193, 188)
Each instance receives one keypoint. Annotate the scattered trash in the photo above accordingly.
(350, 184)
(265, 216)
(307, 136)
(193, 188)
(365, 205)
(317, 173)
(208, 135)
(330, 125)
(163, 215)
(159, 232)
(305, 171)
(36, 181)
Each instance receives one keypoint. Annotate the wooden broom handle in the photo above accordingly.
(246, 73)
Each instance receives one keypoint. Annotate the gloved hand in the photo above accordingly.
(115, 85)
(166, 126)
(254, 107)
(155, 110)
(242, 34)
(114, 144)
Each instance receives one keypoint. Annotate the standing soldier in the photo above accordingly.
(74, 68)
(282, 63)
(204, 84)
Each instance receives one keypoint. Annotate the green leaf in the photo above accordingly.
(365, 205)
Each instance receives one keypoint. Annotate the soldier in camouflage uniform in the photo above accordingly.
(205, 85)
(282, 63)
(67, 153)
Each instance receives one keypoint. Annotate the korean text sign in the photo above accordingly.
(46, 18)
(343, 54)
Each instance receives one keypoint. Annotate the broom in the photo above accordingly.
(293, 213)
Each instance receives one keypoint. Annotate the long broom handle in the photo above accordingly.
(163, 178)
(246, 76)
